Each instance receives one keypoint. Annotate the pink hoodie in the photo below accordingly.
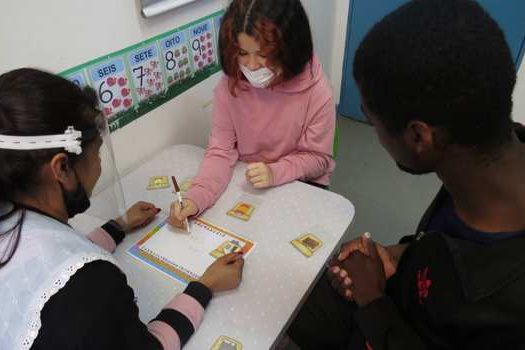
(289, 127)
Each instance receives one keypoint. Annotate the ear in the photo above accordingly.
(60, 168)
(420, 136)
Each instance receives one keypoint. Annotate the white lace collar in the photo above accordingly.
(48, 254)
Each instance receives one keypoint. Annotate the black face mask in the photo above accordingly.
(77, 201)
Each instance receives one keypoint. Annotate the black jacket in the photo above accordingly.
(450, 293)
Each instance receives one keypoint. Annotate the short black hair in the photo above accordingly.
(443, 62)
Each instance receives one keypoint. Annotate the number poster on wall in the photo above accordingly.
(133, 81)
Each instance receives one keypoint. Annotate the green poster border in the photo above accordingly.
(122, 119)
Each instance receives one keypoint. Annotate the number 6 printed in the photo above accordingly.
(105, 95)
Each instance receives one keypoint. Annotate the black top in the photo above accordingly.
(446, 220)
(96, 309)
(451, 290)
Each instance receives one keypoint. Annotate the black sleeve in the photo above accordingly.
(96, 310)
(199, 292)
(114, 230)
(384, 328)
(179, 321)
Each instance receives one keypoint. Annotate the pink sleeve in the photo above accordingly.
(217, 167)
(313, 156)
(165, 333)
(189, 307)
(168, 338)
(101, 238)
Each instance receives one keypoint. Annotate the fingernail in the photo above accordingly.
(367, 235)
(340, 256)
(347, 281)
(336, 269)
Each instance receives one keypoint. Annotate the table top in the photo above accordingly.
(276, 277)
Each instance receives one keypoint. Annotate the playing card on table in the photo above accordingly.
(307, 244)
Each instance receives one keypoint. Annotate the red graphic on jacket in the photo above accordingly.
(423, 284)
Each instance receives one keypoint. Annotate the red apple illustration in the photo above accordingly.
(127, 102)
(111, 81)
(116, 102)
(122, 81)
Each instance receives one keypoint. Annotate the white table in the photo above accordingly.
(276, 277)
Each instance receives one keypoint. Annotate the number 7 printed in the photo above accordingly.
(146, 71)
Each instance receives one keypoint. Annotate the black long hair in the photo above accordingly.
(34, 103)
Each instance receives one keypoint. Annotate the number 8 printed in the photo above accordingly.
(170, 61)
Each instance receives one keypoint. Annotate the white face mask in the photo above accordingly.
(259, 78)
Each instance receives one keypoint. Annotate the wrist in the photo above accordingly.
(277, 171)
(121, 223)
(199, 292)
(371, 297)
(396, 252)
(207, 283)
(114, 230)
(196, 204)
(193, 206)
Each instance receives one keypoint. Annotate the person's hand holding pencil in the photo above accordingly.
(181, 209)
